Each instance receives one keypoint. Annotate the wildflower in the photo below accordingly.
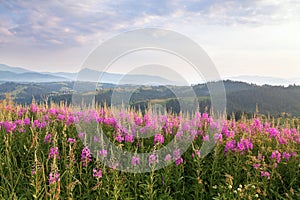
(71, 140)
(230, 145)
(218, 137)
(86, 156)
(205, 138)
(53, 152)
(97, 173)
(176, 154)
(168, 157)
(197, 153)
(33, 108)
(276, 155)
(256, 166)
(244, 145)
(47, 138)
(26, 121)
(96, 139)
(81, 135)
(135, 161)
(129, 138)
(158, 138)
(265, 174)
(102, 153)
(119, 138)
(179, 161)
(286, 156)
(53, 178)
(60, 117)
(152, 159)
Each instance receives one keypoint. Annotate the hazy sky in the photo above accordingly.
(244, 37)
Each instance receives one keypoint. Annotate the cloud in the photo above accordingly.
(68, 23)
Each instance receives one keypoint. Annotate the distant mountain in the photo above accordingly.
(16, 74)
(17, 70)
(122, 79)
(266, 80)
(7, 76)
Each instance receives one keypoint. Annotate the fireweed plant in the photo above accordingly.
(44, 156)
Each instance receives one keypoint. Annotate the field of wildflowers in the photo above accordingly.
(44, 155)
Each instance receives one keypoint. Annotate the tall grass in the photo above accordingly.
(44, 156)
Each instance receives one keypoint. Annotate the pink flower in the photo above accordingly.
(176, 154)
(135, 161)
(205, 138)
(81, 135)
(53, 178)
(218, 137)
(71, 140)
(53, 152)
(152, 159)
(286, 156)
(256, 166)
(265, 174)
(179, 161)
(129, 138)
(276, 155)
(33, 108)
(230, 145)
(158, 138)
(86, 156)
(168, 157)
(47, 138)
(102, 153)
(97, 173)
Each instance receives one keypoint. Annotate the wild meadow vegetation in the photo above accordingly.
(44, 155)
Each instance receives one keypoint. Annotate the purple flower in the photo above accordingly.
(53, 178)
(97, 173)
(218, 137)
(205, 138)
(81, 135)
(129, 138)
(230, 145)
(96, 139)
(60, 117)
(53, 152)
(119, 138)
(244, 145)
(102, 153)
(47, 138)
(265, 174)
(176, 154)
(256, 166)
(168, 157)
(276, 155)
(26, 121)
(33, 108)
(286, 156)
(158, 138)
(86, 156)
(135, 161)
(71, 140)
(152, 159)
(179, 161)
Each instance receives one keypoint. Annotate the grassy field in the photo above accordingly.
(44, 155)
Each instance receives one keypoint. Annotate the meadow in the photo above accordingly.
(44, 155)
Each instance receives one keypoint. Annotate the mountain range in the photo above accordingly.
(18, 74)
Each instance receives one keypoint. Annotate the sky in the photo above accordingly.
(246, 37)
